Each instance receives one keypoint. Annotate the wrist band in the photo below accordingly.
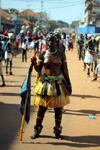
(70, 85)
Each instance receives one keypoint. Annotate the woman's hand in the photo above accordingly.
(34, 60)
(70, 90)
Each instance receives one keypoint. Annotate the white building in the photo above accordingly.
(92, 13)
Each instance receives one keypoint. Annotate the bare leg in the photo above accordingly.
(38, 127)
(58, 117)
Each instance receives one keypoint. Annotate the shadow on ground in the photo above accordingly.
(11, 94)
(10, 123)
(85, 96)
(78, 112)
(78, 141)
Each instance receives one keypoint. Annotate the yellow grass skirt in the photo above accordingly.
(51, 93)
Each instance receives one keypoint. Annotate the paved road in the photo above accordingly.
(79, 131)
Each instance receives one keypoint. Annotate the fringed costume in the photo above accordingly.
(50, 91)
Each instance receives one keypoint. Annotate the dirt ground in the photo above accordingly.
(79, 131)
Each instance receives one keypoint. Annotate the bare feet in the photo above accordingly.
(35, 135)
(58, 136)
(37, 131)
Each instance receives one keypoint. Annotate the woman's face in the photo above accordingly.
(51, 41)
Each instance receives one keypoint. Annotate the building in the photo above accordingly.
(92, 13)
(29, 13)
(6, 22)
(18, 21)
(33, 17)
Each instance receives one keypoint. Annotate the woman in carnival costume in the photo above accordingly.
(53, 88)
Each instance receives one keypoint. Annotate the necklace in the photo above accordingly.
(53, 52)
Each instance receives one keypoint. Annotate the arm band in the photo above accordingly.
(40, 60)
(69, 85)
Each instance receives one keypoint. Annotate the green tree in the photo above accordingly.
(31, 18)
(12, 10)
(74, 24)
(52, 25)
(63, 24)
(7, 10)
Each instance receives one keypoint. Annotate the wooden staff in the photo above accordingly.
(23, 117)
(38, 75)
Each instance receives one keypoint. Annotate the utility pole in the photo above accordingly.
(28, 12)
(41, 12)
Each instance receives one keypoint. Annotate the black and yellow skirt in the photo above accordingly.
(50, 91)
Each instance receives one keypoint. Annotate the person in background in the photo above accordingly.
(80, 42)
(36, 43)
(27, 41)
(67, 39)
(42, 43)
(97, 54)
(24, 50)
(89, 53)
(59, 45)
(4, 42)
(70, 43)
(73, 37)
(17, 45)
(8, 55)
(1, 72)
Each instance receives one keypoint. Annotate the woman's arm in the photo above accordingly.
(65, 72)
(38, 66)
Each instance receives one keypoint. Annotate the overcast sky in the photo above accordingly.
(65, 10)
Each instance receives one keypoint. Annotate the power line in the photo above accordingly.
(61, 6)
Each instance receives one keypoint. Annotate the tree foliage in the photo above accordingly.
(56, 24)
(74, 24)
(63, 24)
(52, 25)
(12, 10)
(31, 18)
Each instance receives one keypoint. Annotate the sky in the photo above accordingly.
(65, 10)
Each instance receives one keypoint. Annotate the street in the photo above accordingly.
(79, 131)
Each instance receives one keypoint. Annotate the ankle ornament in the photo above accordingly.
(38, 129)
(57, 130)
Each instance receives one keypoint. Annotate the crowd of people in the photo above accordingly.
(88, 50)
(11, 46)
(17, 43)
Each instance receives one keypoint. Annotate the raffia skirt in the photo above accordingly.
(51, 93)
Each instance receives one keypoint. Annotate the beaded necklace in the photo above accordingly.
(53, 52)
